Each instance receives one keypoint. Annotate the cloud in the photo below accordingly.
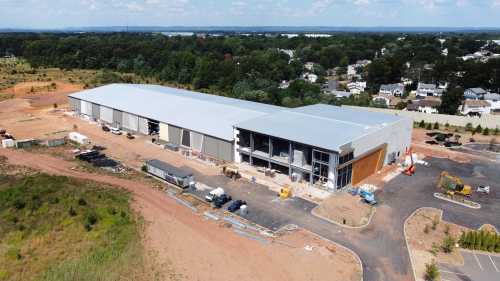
(134, 7)
(319, 7)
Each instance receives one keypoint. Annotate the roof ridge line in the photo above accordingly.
(326, 118)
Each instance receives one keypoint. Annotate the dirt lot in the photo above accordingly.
(421, 244)
(43, 94)
(343, 208)
(190, 248)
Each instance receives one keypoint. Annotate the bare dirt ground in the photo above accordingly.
(343, 208)
(43, 94)
(190, 248)
(421, 244)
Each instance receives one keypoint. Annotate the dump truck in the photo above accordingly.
(453, 185)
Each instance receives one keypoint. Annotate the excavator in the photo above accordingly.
(453, 185)
(410, 170)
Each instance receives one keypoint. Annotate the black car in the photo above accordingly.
(105, 128)
(235, 206)
(219, 201)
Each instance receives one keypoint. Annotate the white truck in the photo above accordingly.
(79, 138)
(219, 191)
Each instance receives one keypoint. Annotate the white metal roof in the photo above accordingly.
(320, 125)
(203, 113)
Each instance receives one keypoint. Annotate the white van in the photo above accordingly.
(214, 194)
(115, 131)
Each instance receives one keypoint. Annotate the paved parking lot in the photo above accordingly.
(477, 267)
(264, 206)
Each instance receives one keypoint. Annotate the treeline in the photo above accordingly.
(251, 67)
(480, 240)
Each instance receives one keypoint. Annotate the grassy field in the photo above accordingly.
(56, 228)
(14, 71)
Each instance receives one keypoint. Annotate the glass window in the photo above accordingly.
(344, 176)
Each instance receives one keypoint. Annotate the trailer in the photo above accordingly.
(79, 138)
(169, 173)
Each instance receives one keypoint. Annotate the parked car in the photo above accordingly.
(221, 200)
(236, 205)
(105, 128)
(130, 136)
(483, 189)
(115, 131)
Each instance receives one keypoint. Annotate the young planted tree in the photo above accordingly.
(436, 126)
(421, 124)
(431, 271)
(448, 244)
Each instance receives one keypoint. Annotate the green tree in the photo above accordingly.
(436, 126)
(468, 127)
(486, 131)
(451, 100)
(421, 124)
(478, 129)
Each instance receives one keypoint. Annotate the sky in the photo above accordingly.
(79, 13)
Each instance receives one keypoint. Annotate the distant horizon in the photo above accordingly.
(63, 14)
(254, 28)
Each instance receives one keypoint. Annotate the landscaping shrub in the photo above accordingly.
(429, 126)
(486, 132)
(421, 124)
(436, 126)
(431, 271)
(448, 244)
(480, 240)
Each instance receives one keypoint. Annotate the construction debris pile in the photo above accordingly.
(447, 140)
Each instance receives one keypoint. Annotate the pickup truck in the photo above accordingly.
(214, 194)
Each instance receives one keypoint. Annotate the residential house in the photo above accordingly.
(329, 86)
(339, 94)
(309, 66)
(352, 69)
(406, 81)
(310, 77)
(396, 89)
(356, 87)
(494, 100)
(384, 100)
(426, 105)
(474, 93)
(428, 90)
(284, 84)
(475, 107)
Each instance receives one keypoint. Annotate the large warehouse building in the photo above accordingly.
(328, 146)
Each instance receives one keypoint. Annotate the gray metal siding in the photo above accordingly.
(117, 118)
(174, 134)
(106, 114)
(225, 151)
(96, 112)
(217, 148)
(130, 121)
(74, 104)
(143, 126)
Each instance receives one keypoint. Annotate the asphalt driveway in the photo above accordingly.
(381, 245)
(477, 267)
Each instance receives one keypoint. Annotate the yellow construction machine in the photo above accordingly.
(453, 185)
(285, 192)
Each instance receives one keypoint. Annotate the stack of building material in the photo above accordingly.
(7, 143)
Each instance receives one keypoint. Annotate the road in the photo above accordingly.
(380, 245)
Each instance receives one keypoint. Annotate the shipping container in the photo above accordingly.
(170, 173)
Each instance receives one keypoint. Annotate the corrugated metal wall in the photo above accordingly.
(130, 121)
(174, 134)
(218, 148)
(143, 126)
(117, 118)
(86, 108)
(96, 111)
(74, 104)
(164, 131)
(196, 141)
(106, 114)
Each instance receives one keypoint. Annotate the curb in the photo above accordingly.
(372, 214)
(406, 237)
(439, 196)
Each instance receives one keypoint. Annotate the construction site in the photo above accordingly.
(325, 187)
(320, 145)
